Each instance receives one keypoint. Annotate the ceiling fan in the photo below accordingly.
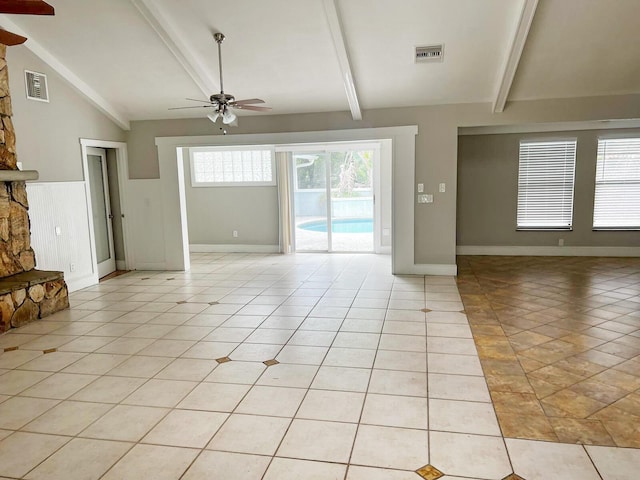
(224, 103)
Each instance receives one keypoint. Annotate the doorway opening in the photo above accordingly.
(105, 172)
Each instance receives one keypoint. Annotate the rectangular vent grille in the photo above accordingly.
(432, 53)
(36, 86)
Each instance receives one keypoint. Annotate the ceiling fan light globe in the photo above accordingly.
(213, 117)
(228, 116)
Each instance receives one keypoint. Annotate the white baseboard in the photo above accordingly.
(231, 248)
(78, 283)
(151, 266)
(551, 251)
(431, 269)
(384, 251)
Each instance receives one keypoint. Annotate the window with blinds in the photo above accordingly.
(545, 184)
(246, 166)
(617, 199)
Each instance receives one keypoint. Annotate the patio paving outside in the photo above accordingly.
(307, 240)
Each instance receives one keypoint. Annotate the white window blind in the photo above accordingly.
(246, 166)
(617, 201)
(545, 184)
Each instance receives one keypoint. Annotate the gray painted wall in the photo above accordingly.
(214, 212)
(48, 134)
(436, 147)
(488, 190)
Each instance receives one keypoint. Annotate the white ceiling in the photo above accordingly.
(283, 51)
(581, 48)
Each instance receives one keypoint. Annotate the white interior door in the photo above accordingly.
(101, 210)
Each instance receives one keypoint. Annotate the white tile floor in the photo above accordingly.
(367, 386)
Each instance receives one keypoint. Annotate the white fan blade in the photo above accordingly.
(247, 101)
(197, 106)
(196, 100)
(251, 107)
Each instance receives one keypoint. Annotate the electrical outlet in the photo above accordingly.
(58, 231)
(72, 267)
(442, 188)
(420, 187)
(235, 234)
(561, 242)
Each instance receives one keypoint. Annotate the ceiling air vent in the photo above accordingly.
(432, 53)
(36, 86)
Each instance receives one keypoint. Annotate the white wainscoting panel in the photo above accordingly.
(62, 205)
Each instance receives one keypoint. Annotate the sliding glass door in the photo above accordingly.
(310, 202)
(333, 199)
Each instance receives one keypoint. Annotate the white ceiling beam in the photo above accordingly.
(515, 53)
(333, 17)
(47, 57)
(168, 33)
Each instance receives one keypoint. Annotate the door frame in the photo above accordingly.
(120, 149)
(102, 153)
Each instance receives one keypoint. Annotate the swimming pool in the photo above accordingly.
(340, 225)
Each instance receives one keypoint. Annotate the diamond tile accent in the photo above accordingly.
(214, 303)
(271, 362)
(223, 359)
(513, 476)
(429, 472)
(10, 349)
(50, 350)
(181, 302)
(145, 278)
(171, 278)
(425, 310)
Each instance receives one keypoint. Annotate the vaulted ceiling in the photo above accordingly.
(137, 58)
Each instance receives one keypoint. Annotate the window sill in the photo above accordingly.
(232, 184)
(543, 229)
(616, 229)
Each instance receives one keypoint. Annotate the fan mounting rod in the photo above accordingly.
(219, 38)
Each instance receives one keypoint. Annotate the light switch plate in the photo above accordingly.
(442, 188)
(420, 187)
(426, 198)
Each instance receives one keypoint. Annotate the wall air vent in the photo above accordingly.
(432, 53)
(36, 86)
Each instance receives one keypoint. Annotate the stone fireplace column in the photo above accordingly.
(26, 294)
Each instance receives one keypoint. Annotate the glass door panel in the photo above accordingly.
(352, 201)
(310, 202)
(101, 212)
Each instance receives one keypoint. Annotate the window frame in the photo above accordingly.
(569, 227)
(197, 184)
(595, 184)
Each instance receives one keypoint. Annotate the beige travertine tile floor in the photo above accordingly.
(559, 340)
(161, 375)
